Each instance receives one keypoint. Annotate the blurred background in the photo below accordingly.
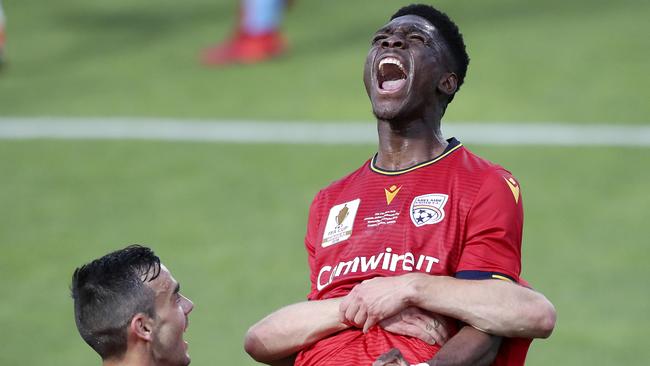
(229, 218)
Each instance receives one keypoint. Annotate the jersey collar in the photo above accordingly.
(452, 146)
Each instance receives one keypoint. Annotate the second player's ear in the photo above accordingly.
(448, 83)
(141, 326)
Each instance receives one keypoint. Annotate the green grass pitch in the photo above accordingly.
(229, 219)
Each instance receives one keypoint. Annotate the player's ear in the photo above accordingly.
(448, 83)
(141, 326)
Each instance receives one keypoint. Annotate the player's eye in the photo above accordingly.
(417, 37)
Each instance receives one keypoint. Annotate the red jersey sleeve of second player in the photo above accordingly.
(494, 229)
(311, 241)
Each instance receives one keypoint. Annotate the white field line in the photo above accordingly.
(18, 128)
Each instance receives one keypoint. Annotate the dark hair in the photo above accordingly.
(108, 292)
(449, 32)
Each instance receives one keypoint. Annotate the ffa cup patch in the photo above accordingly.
(428, 209)
(339, 223)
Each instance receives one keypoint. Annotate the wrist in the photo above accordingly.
(414, 288)
(339, 324)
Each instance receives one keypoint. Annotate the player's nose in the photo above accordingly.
(393, 41)
(188, 305)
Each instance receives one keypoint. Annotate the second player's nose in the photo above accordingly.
(393, 42)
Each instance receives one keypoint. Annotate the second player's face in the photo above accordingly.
(403, 67)
(172, 310)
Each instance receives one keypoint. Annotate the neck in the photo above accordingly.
(131, 359)
(405, 143)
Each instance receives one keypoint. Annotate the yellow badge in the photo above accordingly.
(391, 192)
(514, 187)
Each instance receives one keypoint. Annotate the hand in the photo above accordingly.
(414, 322)
(391, 358)
(374, 300)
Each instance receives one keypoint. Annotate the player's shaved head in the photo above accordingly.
(108, 292)
(448, 30)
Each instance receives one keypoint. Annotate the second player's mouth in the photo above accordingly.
(391, 75)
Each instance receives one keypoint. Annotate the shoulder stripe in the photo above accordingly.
(483, 275)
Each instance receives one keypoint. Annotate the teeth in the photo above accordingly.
(392, 60)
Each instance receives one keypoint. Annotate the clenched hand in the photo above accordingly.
(374, 300)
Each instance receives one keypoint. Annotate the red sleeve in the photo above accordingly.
(512, 352)
(311, 241)
(494, 228)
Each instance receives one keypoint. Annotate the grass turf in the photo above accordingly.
(553, 60)
(229, 222)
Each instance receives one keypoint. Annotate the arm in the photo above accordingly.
(494, 306)
(288, 330)
(277, 338)
(469, 347)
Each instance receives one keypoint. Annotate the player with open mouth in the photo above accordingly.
(371, 291)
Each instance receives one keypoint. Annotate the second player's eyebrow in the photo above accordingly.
(416, 28)
(410, 28)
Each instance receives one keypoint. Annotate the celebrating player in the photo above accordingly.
(128, 308)
(425, 224)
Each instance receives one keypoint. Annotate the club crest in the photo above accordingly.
(428, 209)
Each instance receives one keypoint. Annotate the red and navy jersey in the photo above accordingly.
(455, 215)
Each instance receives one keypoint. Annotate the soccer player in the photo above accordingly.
(257, 36)
(424, 224)
(129, 309)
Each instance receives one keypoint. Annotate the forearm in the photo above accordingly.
(469, 347)
(292, 328)
(494, 306)
(287, 361)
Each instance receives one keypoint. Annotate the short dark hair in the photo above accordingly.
(108, 292)
(449, 32)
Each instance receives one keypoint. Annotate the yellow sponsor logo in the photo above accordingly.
(514, 187)
(391, 192)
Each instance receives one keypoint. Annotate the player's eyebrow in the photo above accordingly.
(417, 28)
(409, 28)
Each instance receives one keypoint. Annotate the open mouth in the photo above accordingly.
(391, 75)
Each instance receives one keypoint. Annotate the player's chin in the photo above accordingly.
(186, 359)
(388, 111)
(186, 354)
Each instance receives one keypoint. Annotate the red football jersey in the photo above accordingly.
(455, 215)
